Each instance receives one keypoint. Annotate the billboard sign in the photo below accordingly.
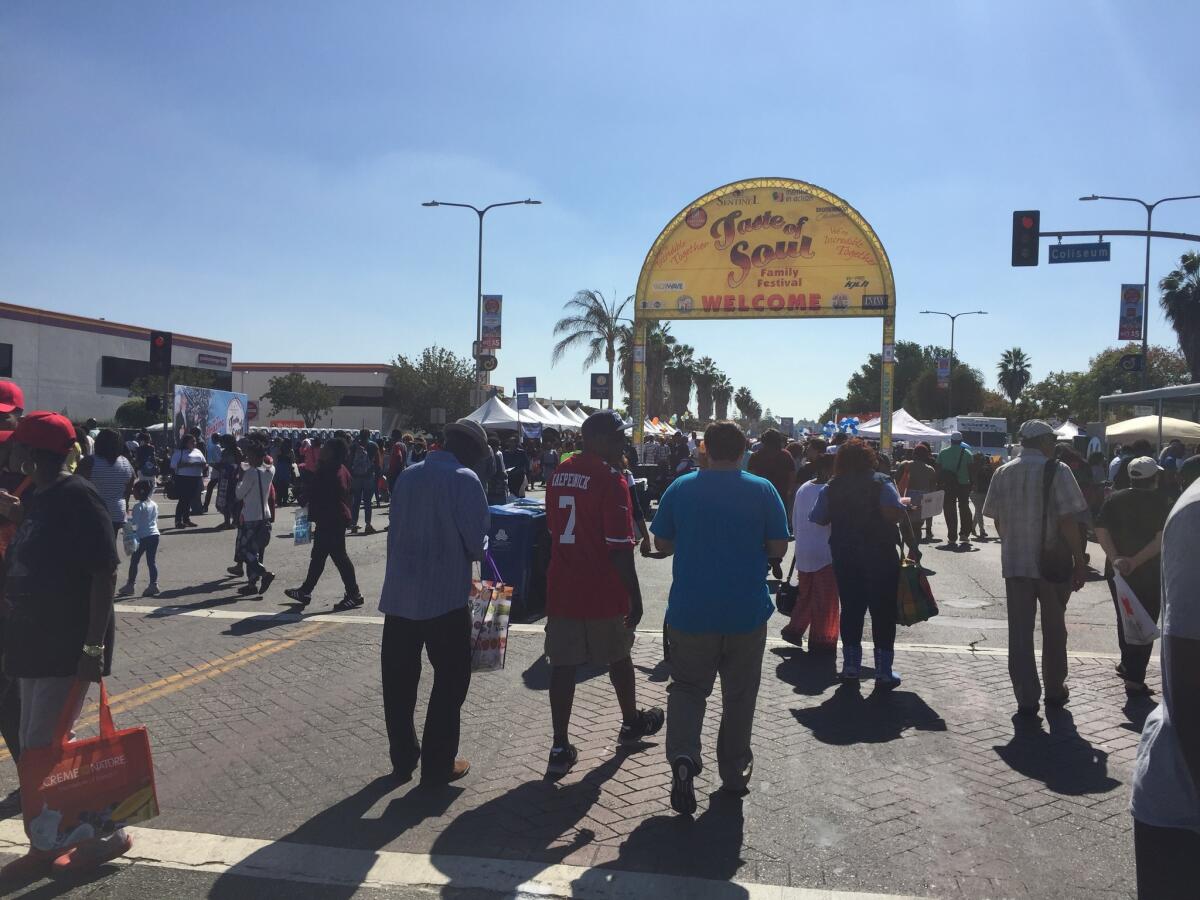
(1129, 327)
(491, 321)
(762, 249)
(212, 411)
(527, 385)
(522, 401)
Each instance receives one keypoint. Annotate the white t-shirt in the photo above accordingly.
(1164, 793)
(812, 540)
(188, 464)
(253, 490)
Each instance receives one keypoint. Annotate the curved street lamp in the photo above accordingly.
(953, 317)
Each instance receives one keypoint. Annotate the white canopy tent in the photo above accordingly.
(904, 428)
(567, 412)
(1146, 427)
(551, 419)
(532, 416)
(1068, 431)
(495, 414)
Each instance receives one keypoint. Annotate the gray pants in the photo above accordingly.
(42, 702)
(696, 660)
(1024, 596)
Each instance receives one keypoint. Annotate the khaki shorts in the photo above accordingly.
(597, 642)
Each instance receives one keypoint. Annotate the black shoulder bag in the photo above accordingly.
(1056, 562)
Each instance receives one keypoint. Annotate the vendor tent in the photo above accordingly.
(904, 428)
(575, 413)
(1068, 431)
(552, 419)
(533, 416)
(1146, 427)
(495, 414)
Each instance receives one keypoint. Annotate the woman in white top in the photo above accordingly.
(112, 475)
(190, 467)
(817, 607)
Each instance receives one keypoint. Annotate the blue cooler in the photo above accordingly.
(519, 541)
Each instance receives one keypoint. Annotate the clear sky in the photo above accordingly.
(253, 171)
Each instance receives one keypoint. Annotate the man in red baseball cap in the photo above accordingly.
(60, 576)
(12, 405)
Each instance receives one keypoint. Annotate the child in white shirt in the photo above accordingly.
(143, 522)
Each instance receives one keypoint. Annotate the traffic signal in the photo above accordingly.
(160, 352)
(1026, 225)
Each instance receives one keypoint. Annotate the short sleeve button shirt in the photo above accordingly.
(588, 514)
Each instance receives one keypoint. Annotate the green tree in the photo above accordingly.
(149, 385)
(678, 371)
(750, 409)
(927, 400)
(1180, 300)
(722, 393)
(438, 378)
(133, 414)
(595, 323)
(310, 399)
(1013, 373)
(659, 341)
(1164, 367)
(704, 374)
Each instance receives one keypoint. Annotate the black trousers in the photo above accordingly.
(447, 640)
(957, 508)
(10, 715)
(329, 542)
(1166, 862)
(187, 489)
(1136, 657)
(866, 584)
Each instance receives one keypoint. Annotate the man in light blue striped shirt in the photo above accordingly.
(439, 520)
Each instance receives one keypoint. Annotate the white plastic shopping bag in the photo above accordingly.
(1136, 623)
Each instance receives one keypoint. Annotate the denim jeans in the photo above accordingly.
(147, 547)
(362, 488)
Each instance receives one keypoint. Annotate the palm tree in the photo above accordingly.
(593, 321)
(704, 372)
(722, 393)
(1014, 373)
(1180, 301)
(745, 403)
(678, 370)
(659, 341)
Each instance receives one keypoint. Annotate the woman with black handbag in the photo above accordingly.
(190, 468)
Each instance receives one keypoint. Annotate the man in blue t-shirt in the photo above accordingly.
(722, 525)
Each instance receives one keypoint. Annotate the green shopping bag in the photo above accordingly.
(914, 599)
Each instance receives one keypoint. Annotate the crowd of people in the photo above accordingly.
(852, 514)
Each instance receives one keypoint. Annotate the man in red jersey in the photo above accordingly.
(593, 601)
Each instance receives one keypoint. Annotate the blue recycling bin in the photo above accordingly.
(519, 541)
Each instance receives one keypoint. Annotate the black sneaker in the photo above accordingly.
(248, 590)
(648, 722)
(348, 603)
(562, 759)
(683, 792)
(236, 570)
(298, 595)
(265, 583)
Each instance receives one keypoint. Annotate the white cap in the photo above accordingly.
(956, 435)
(1035, 428)
(1143, 467)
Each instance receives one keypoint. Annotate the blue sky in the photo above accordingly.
(253, 171)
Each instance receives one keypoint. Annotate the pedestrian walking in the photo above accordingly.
(494, 475)
(364, 468)
(955, 464)
(817, 601)
(1035, 502)
(776, 465)
(439, 521)
(190, 468)
(917, 477)
(718, 608)
(328, 502)
(112, 474)
(253, 491)
(1166, 775)
(60, 571)
(142, 525)
(863, 508)
(397, 456)
(982, 469)
(593, 599)
(516, 463)
(1130, 528)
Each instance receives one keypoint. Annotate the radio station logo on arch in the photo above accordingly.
(765, 252)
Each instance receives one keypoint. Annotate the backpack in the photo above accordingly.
(360, 462)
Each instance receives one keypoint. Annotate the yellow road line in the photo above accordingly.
(178, 681)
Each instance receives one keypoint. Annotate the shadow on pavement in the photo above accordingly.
(1061, 759)
(343, 826)
(809, 673)
(659, 674)
(537, 675)
(536, 822)
(709, 847)
(849, 717)
(1136, 710)
(206, 587)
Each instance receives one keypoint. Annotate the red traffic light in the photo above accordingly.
(1026, 221)
(158, 340)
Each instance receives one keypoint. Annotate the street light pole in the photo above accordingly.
(953, 317)
(479, 257)
(1149, 207)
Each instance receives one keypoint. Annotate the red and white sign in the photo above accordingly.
(1130, 322)
(252, 410)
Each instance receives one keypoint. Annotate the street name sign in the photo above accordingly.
(1073, 253)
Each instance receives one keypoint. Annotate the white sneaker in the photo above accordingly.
(151, 591)
(126, 590)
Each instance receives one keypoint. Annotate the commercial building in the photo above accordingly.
(359, 386)
(83, 366)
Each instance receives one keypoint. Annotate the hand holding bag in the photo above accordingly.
(1136, 624)
(74, 791)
